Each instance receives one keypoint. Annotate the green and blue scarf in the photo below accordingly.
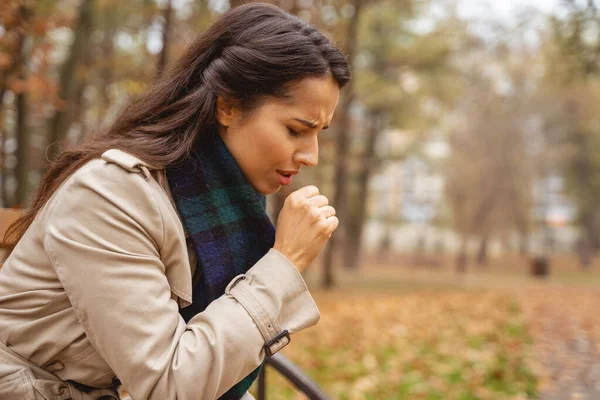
(226, 222)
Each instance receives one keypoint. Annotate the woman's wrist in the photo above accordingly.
(296, 263)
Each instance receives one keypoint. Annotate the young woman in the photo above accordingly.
(147, 256)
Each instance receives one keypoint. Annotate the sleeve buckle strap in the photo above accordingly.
(277, 343)
(240, 289)
(234, 282)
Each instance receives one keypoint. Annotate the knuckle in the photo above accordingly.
(304, 204)
(316, 217)
(296, 200)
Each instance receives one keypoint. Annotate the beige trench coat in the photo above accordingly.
(93, 290)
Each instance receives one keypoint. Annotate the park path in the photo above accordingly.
(564, 323)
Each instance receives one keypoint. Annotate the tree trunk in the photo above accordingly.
(342, 147)
(352, 244)
(590, 228)
(585, 251)
(79, 107)
(22, 134)
(2, 166)
(583, 172)
(59, 123)
(523, 241)
(356, 222)
(163, 56)
(106, 74)
(587, 246)
(79, 104)
(461, 259)
(3, 138)
(482, 254)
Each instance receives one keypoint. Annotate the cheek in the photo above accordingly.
(264, 146)
(274, 147)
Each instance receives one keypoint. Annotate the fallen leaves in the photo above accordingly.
(419, 345)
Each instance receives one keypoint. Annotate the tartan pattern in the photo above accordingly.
(226, 221)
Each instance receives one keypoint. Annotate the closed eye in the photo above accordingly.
(293, 133)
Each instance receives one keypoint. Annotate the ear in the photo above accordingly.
(225, 111)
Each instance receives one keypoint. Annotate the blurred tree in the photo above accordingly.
(395, 80)
(106, 53)
(15, 20)
(342, 138)
(60, 121)
(21, 131)
(489, 173)
(163, 55)
(485, 170)
(573, 78)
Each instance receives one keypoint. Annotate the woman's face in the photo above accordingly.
(281, 135)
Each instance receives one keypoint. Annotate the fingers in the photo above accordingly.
(327, 211)
(307, 191)
(319, 201)
(332, 223)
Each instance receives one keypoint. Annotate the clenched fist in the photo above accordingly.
(305, 223)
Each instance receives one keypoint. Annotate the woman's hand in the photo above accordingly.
(305, 223)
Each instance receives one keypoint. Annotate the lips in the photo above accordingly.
(287, 173)
(285, 176)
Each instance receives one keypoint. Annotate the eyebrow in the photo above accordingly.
(309, 124)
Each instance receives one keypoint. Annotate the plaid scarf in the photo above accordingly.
(227, 224)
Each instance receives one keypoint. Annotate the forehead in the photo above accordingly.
(313, 99)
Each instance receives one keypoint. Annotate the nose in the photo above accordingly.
(308, 153)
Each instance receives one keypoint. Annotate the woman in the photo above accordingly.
(147, 257)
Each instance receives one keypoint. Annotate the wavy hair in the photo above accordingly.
(252, 52)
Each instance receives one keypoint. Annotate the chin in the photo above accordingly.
(266, 190)
(271, 191)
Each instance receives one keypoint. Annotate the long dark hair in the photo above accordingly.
(252, 52)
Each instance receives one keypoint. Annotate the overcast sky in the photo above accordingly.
(504, 9)
(483, 14)
(508, 9)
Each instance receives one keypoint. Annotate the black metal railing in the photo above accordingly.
(292, 373)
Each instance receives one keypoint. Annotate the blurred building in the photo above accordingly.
(406, 195)
(407, 209)
(555, 217)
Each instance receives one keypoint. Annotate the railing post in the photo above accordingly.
(296, 376)
(262, 384)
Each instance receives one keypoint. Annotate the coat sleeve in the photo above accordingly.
(103, 237)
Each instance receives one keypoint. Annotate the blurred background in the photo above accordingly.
(463, 161)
